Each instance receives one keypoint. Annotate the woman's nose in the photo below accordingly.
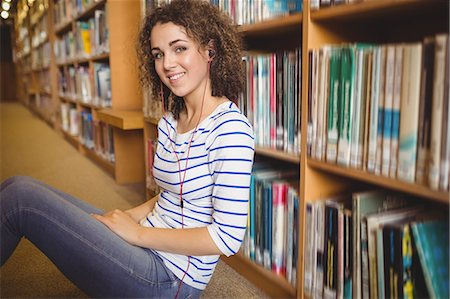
(168, 62)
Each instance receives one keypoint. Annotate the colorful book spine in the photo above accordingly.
(346, 109)
(410, 100)
(388, 107)
(333, 105)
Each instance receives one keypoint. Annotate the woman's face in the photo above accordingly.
(179, 61)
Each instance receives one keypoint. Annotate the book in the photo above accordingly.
(424, 118)
(388, 106)
(346, 109)
(396, 101)
(444, 168)
(334, 103)
(409, 121)
(441, 52)
(432, 243)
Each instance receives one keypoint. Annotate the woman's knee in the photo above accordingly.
(17, 181)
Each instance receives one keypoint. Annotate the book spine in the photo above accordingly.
(308, 248)
(396, 100)
(333, 105)
(357, 115)
(445, 142)
(426, 97)
(437, 110)
(379, 149)
(409, 121)
(388, 106)
(279, 233)
(373, 124)
(346, 109)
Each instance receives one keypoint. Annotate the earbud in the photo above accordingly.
(212, 53)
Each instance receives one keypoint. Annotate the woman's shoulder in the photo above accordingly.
(228, 112)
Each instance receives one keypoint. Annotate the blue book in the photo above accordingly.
(432, 243)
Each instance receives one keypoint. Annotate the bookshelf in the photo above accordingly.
(77, 70)
(381, 22)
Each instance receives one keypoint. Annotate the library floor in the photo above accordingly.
(28, 146)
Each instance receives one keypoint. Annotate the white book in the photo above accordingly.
(357, 116)
(436, 110)
(322, 102)
(398, 74)
(381, 89)
(333, 104)
(387, 116)
(445, 145)
(374, 103)
(409, 121)
(314, 101)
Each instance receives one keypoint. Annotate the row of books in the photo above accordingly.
(383, 109)
(40, 57)
(93, 134)
(86, 85)
(271, 100)
(272, 234)
(43, 78)
(249, 12)
(66, 10)
(88, 39)
(317, 4)
(40, 32)
(152, 107)
(375, 245)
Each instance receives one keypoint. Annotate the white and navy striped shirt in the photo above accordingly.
(215, 189)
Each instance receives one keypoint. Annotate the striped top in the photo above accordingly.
(215, 189)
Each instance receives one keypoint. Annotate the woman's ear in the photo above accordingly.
(211, 50)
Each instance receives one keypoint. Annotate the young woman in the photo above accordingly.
(191, 59)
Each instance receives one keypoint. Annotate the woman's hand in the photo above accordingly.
(122, 224)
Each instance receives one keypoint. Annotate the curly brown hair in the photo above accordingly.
(205, 24)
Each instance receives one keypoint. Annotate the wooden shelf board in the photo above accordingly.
(394, 184)
(151, 120)
(280, 24)
(71, 139)
(88, 12)
(63, 28)
(274, 285)
(122, 119)
(277, 154)
(362, 10)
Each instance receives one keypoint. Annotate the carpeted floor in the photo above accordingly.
(28, 146)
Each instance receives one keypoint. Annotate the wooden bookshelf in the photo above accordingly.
(122, 119)
(380, 21)
(377, 180)
(122, 23)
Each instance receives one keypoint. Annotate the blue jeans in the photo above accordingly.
(93, 257)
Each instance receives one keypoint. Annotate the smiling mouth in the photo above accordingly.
(176, 77)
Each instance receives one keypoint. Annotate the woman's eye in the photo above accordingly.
(180, 49)
(157, 55)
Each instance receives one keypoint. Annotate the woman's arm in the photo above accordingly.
(139, 212)
(188, 241)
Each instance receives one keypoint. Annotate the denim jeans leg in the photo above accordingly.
(93, 257)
